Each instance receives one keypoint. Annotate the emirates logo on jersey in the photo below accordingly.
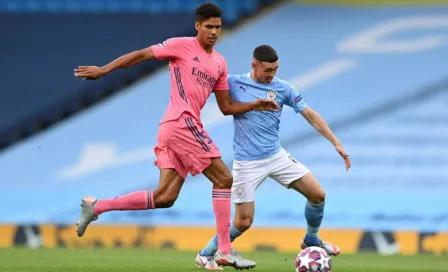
(203, 79)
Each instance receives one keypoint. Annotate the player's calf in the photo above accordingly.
(168, 190)
(91, 207)
(222, 180)
(314, 207)
(166, 193)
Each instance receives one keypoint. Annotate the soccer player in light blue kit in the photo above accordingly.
(258, 154)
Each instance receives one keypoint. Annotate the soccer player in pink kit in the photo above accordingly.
(183, 145)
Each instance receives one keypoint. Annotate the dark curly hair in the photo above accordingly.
(206, 11)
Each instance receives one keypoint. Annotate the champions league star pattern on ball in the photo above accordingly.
(313, 259)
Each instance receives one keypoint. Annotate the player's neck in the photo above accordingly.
(207, 48)
(254, 78)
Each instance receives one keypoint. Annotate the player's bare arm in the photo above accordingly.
(130, 59)
(320, 125)
(230, 107)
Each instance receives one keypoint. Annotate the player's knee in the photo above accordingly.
(224, 182)
(317, 197)
(164, 200)
(243, 222)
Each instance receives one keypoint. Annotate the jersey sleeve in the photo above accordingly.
(295, 100)
(168, 49)
(222, 83)
(231, 80)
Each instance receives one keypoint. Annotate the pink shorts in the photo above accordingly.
(185, 146)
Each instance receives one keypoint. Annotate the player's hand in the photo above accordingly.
(266, 105)
(90, 72)
(344, 155)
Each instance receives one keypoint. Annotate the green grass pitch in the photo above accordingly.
(140, 260)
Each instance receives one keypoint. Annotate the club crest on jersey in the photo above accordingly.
(240, 192)
(271, 95)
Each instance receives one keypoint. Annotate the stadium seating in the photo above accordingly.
(388, 108)
(41, 80)
(232, 9)
(66, 34)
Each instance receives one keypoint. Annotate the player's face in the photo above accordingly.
(209, 30)
(265, 71)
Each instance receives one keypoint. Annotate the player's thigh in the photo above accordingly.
(167, 159)
(170, 185)
(310, 188)
(294, 175)
(219, 174)
(247, 177)
(172, 176)
(166, 155)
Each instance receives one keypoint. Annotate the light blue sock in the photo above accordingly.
(212, 246)
(313, 214)
(234, 233)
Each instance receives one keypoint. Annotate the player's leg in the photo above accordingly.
(244, 214)
(218, 173)
(294, 175)
(163, 197)
(314, 212)
(242, 221)
(247, 176)
(199, 154)
(244, 217)
(246, 179)
(314, 207)
(172, 177)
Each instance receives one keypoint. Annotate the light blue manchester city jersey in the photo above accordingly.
(256, 134)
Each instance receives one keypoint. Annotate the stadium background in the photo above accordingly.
(377, 73)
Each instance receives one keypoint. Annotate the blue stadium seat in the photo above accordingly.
(230, 7)
(248, 5)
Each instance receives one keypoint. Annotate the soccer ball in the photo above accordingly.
(313, 259)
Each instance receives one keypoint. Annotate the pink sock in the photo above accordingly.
(140, 200)
(222, 208)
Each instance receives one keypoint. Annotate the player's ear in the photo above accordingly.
(254, 64)
(197, 25)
